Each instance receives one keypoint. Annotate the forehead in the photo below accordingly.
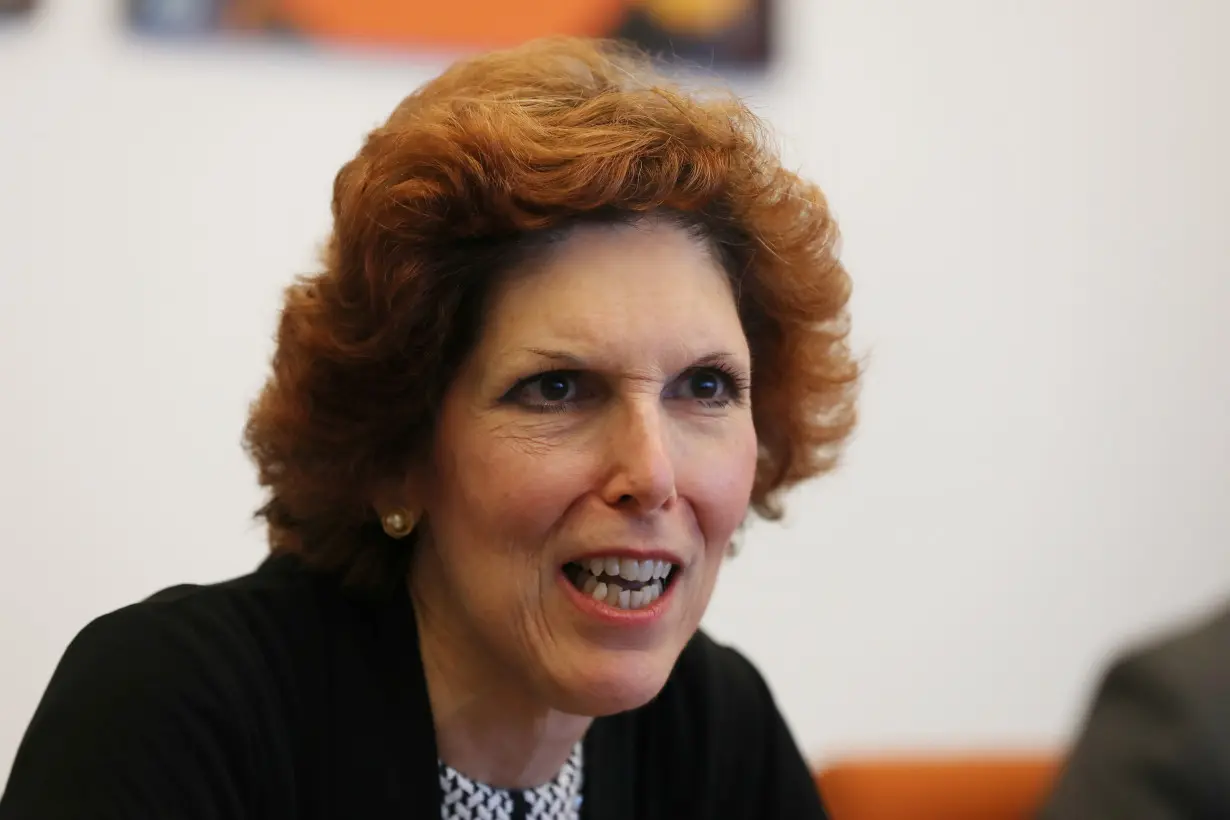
(609, 286)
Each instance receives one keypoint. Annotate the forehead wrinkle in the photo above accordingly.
(634, 333)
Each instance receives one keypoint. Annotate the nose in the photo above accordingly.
(642, 472)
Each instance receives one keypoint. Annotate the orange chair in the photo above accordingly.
(979, 787)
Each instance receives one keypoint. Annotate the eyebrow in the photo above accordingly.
(559, 356)
(575, 362)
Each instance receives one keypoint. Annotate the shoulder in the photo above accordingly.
(718, 726)
(189, 644)
(714, 697)
(714, 700)
(1193, 657)
(257, 642)
(192, 697)
(1157, 732)
(150, 708)
(199, 628)
(1187, 676)
(1183, 673)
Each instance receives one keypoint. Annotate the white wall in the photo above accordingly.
(1034, 200)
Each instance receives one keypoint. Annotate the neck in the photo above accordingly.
(488, 725)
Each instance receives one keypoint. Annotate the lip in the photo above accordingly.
(625, 552)
(614, 616)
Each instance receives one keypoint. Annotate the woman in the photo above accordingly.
(511, 431)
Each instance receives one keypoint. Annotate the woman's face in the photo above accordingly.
(598, 438)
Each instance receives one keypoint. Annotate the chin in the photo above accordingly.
(608, 687)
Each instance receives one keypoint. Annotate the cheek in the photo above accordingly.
(519, 490)
(719, 485)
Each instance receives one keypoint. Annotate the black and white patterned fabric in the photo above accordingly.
(560, 799)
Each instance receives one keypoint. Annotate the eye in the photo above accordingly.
(711, 386)
(556, 389)
(705, 384)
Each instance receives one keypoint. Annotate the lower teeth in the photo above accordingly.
(615, 595)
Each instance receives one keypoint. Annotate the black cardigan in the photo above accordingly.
(279, 695)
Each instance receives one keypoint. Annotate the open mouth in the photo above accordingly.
(622, 583)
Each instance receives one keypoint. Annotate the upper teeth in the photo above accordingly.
(611, 580)
(630, 569)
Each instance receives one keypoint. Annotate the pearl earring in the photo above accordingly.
(399, 523)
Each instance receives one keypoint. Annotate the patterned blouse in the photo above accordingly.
(559, 799)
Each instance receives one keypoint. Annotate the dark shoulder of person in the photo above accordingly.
(199, 702)
(1156, 740)
(713, 743)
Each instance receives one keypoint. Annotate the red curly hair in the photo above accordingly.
(470, 174)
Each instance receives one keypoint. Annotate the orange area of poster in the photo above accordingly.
(481, 23)
(698, 18)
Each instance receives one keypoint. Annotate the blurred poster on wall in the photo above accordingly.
(708, 32)
(10, 8)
